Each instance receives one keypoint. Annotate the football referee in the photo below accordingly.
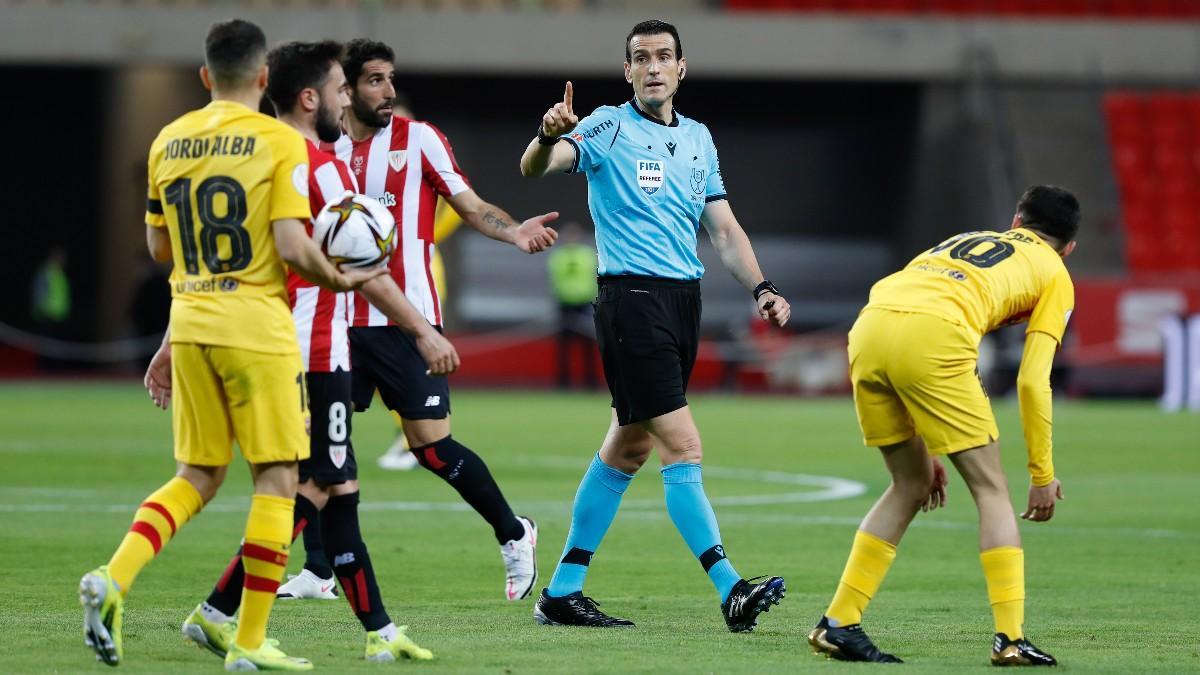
(653, 179)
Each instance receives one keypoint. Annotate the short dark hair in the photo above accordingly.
(296, 66)
(654, 27)
(361, 50)
(233, 50)
(1051, 210)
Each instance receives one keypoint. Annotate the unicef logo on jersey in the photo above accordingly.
(650, 175)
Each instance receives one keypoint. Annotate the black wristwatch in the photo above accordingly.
(765, 287)
(543, 139)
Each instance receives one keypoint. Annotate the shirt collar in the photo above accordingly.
(674, 115)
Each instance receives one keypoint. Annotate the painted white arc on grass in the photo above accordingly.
(827, 488)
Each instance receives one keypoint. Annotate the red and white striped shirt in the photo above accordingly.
(406, 166)
(321, 315)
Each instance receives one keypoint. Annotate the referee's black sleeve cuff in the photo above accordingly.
(574, 146)
(154, 206)
(715, 198)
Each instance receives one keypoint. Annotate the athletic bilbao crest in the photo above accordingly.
(337, 453)
(698, 181)
(397, 158)
(650, 175)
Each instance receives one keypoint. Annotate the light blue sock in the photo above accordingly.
(693, 516)
(596, 504)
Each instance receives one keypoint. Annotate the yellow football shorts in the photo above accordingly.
(223, 394)
(915, 374)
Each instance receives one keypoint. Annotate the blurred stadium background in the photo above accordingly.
(852, 132)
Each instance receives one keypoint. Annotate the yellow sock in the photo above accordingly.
(870, 558)
(156, 521)
(264, 555)
(1004, 569)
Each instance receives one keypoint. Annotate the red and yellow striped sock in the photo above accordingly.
(1004, 570)
(870, 559)
(265, 556)
(156, 521)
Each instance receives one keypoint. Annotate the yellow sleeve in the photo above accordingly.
(154, 205)
(1054, 307)
(289, 184)
(445, 222)
(1033, 394)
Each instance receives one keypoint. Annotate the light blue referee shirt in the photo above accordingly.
(648, 182)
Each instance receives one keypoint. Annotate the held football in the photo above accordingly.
(355, 231)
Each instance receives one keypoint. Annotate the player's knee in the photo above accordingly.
(988, 484)
(206, 479)
(628, 459)
(910, 490)
(425, 432)
(687, 450)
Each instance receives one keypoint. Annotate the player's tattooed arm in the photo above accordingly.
(531, 236)
(500, 221)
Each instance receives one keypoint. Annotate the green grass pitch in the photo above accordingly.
(1113, 581)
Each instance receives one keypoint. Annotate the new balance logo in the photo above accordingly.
(433, 401)
(343, 559)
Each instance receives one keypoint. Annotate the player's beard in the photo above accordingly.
(329, 125)
(370, 116)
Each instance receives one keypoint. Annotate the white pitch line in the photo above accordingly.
(830, 488)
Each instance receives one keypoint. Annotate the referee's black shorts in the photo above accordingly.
(648, 330)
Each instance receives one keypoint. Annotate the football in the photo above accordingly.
(355, 231)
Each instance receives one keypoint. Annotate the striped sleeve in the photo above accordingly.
(439, 166)
(328, 182)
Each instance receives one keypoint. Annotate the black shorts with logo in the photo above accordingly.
(332, 459)
(648, 329)
(385, 358)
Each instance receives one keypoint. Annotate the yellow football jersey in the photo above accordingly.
(984, 280)
(218, 176)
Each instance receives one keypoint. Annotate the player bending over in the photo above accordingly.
(917, 392)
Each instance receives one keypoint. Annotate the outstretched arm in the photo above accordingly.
(547, 153)
(531, 236)
(737, 256)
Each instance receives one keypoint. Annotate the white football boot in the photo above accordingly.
(307, 586)
(520, 562)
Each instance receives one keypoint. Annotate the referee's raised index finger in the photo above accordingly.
(568, 96)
